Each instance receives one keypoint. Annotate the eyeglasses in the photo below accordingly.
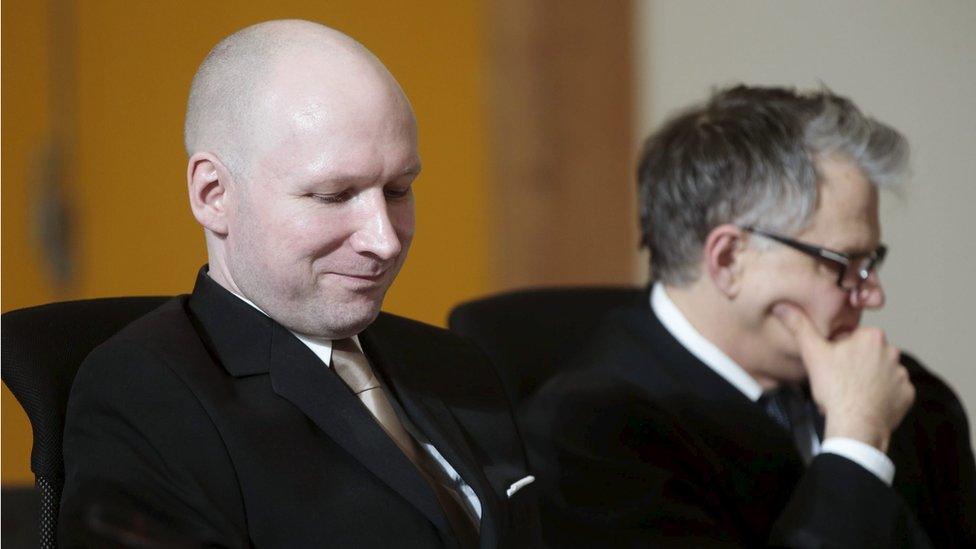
(854, 270)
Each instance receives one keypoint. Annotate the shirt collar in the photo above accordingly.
(678, 326)
(321, 346)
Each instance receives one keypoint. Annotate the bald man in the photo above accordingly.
(276, 406)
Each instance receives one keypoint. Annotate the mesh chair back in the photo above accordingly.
(529, 334)
(41, 350)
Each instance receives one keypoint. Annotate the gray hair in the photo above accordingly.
(748, 156)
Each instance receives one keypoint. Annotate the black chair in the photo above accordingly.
(529, 333)
(41, 350)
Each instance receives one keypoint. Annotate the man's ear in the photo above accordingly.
(208, 182)
(724, 258)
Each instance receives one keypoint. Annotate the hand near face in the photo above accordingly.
(856, 381)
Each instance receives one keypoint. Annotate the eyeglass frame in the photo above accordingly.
(841, 260)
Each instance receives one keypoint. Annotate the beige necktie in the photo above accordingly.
(351, 365)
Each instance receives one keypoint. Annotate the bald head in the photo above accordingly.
(246, 77)
(302, 155)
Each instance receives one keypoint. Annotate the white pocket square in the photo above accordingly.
(519, 484)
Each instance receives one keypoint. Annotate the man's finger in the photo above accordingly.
(797, 322)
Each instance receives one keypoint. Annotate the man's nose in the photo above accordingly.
(870, 294)
(375, 234)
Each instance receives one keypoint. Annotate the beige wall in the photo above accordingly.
(910, 63)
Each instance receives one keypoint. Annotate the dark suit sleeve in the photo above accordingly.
(838, 503)
(936, 471)
(611, 478)
(621, 472)
(955, 475)
(144, 465)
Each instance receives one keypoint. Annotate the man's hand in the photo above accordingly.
(857, 381)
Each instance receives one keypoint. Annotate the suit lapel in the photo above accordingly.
(300, 377)
(748, 453)
(246, 342)
(703, 396)
(435, 419)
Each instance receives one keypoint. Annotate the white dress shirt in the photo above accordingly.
(804, 434)
(323, 350)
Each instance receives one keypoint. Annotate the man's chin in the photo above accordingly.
(339, 318)
(353, 316)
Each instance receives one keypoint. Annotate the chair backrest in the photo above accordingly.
(41, 348)
(528, 334)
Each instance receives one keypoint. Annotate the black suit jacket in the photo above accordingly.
(645, 445)
(206, 422)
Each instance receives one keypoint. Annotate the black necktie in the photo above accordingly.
(796, 413)
(777, 403)
(813, 412)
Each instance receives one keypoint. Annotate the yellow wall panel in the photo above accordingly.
(26, 131)
(26, 124)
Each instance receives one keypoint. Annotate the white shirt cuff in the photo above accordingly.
(865, 455)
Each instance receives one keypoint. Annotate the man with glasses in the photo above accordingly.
(742, 403)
